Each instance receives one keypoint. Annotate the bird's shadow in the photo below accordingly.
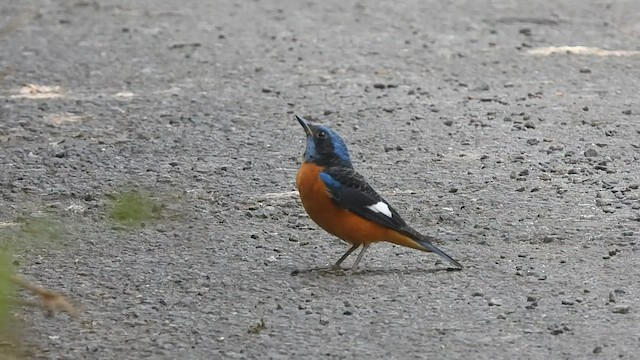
(331, 271)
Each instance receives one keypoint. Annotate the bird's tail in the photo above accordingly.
(424, 241)
(415, 240)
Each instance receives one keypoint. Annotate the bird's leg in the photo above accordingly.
(351, 249)
(355, 265)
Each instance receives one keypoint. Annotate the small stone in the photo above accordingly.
(477, 294)
(532, 305)
(481, 87)
(448, 122)
(495, 302)
(597, 349)
(524, 172)
(626, 112)
(591, 153)
(585, 71)
(556, 331)
(545, 177)
(529, 125)
(379, 86)
(533, 142)
(621, 309)
(525, 31)
(586, 108)
(453, 190)
(567, 302)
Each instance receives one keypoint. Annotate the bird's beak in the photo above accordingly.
(305, 125)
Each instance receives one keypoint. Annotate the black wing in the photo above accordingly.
(350, 191)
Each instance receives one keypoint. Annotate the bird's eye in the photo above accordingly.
(322, 134)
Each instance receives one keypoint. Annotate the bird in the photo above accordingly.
(341, 202)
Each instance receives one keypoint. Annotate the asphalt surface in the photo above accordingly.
(524, 163)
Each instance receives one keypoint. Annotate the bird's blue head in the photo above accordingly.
(324, 146)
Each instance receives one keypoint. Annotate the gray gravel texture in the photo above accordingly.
(525, 166)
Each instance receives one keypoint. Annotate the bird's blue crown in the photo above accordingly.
(324, 146)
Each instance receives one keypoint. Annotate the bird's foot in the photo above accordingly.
(353, 270)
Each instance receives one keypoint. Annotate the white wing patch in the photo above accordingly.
(381, 207)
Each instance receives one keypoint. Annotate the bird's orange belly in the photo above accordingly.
(339, 222)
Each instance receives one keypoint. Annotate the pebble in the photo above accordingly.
(621, 309)
(591, 153)
(525, 31)
(603, 202)
(545, 177)
(495, 302)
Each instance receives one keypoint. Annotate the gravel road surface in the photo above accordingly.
(471, 117)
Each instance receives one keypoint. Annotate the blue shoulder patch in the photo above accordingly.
(329, 181)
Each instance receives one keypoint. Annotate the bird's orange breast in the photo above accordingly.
(335, 220)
